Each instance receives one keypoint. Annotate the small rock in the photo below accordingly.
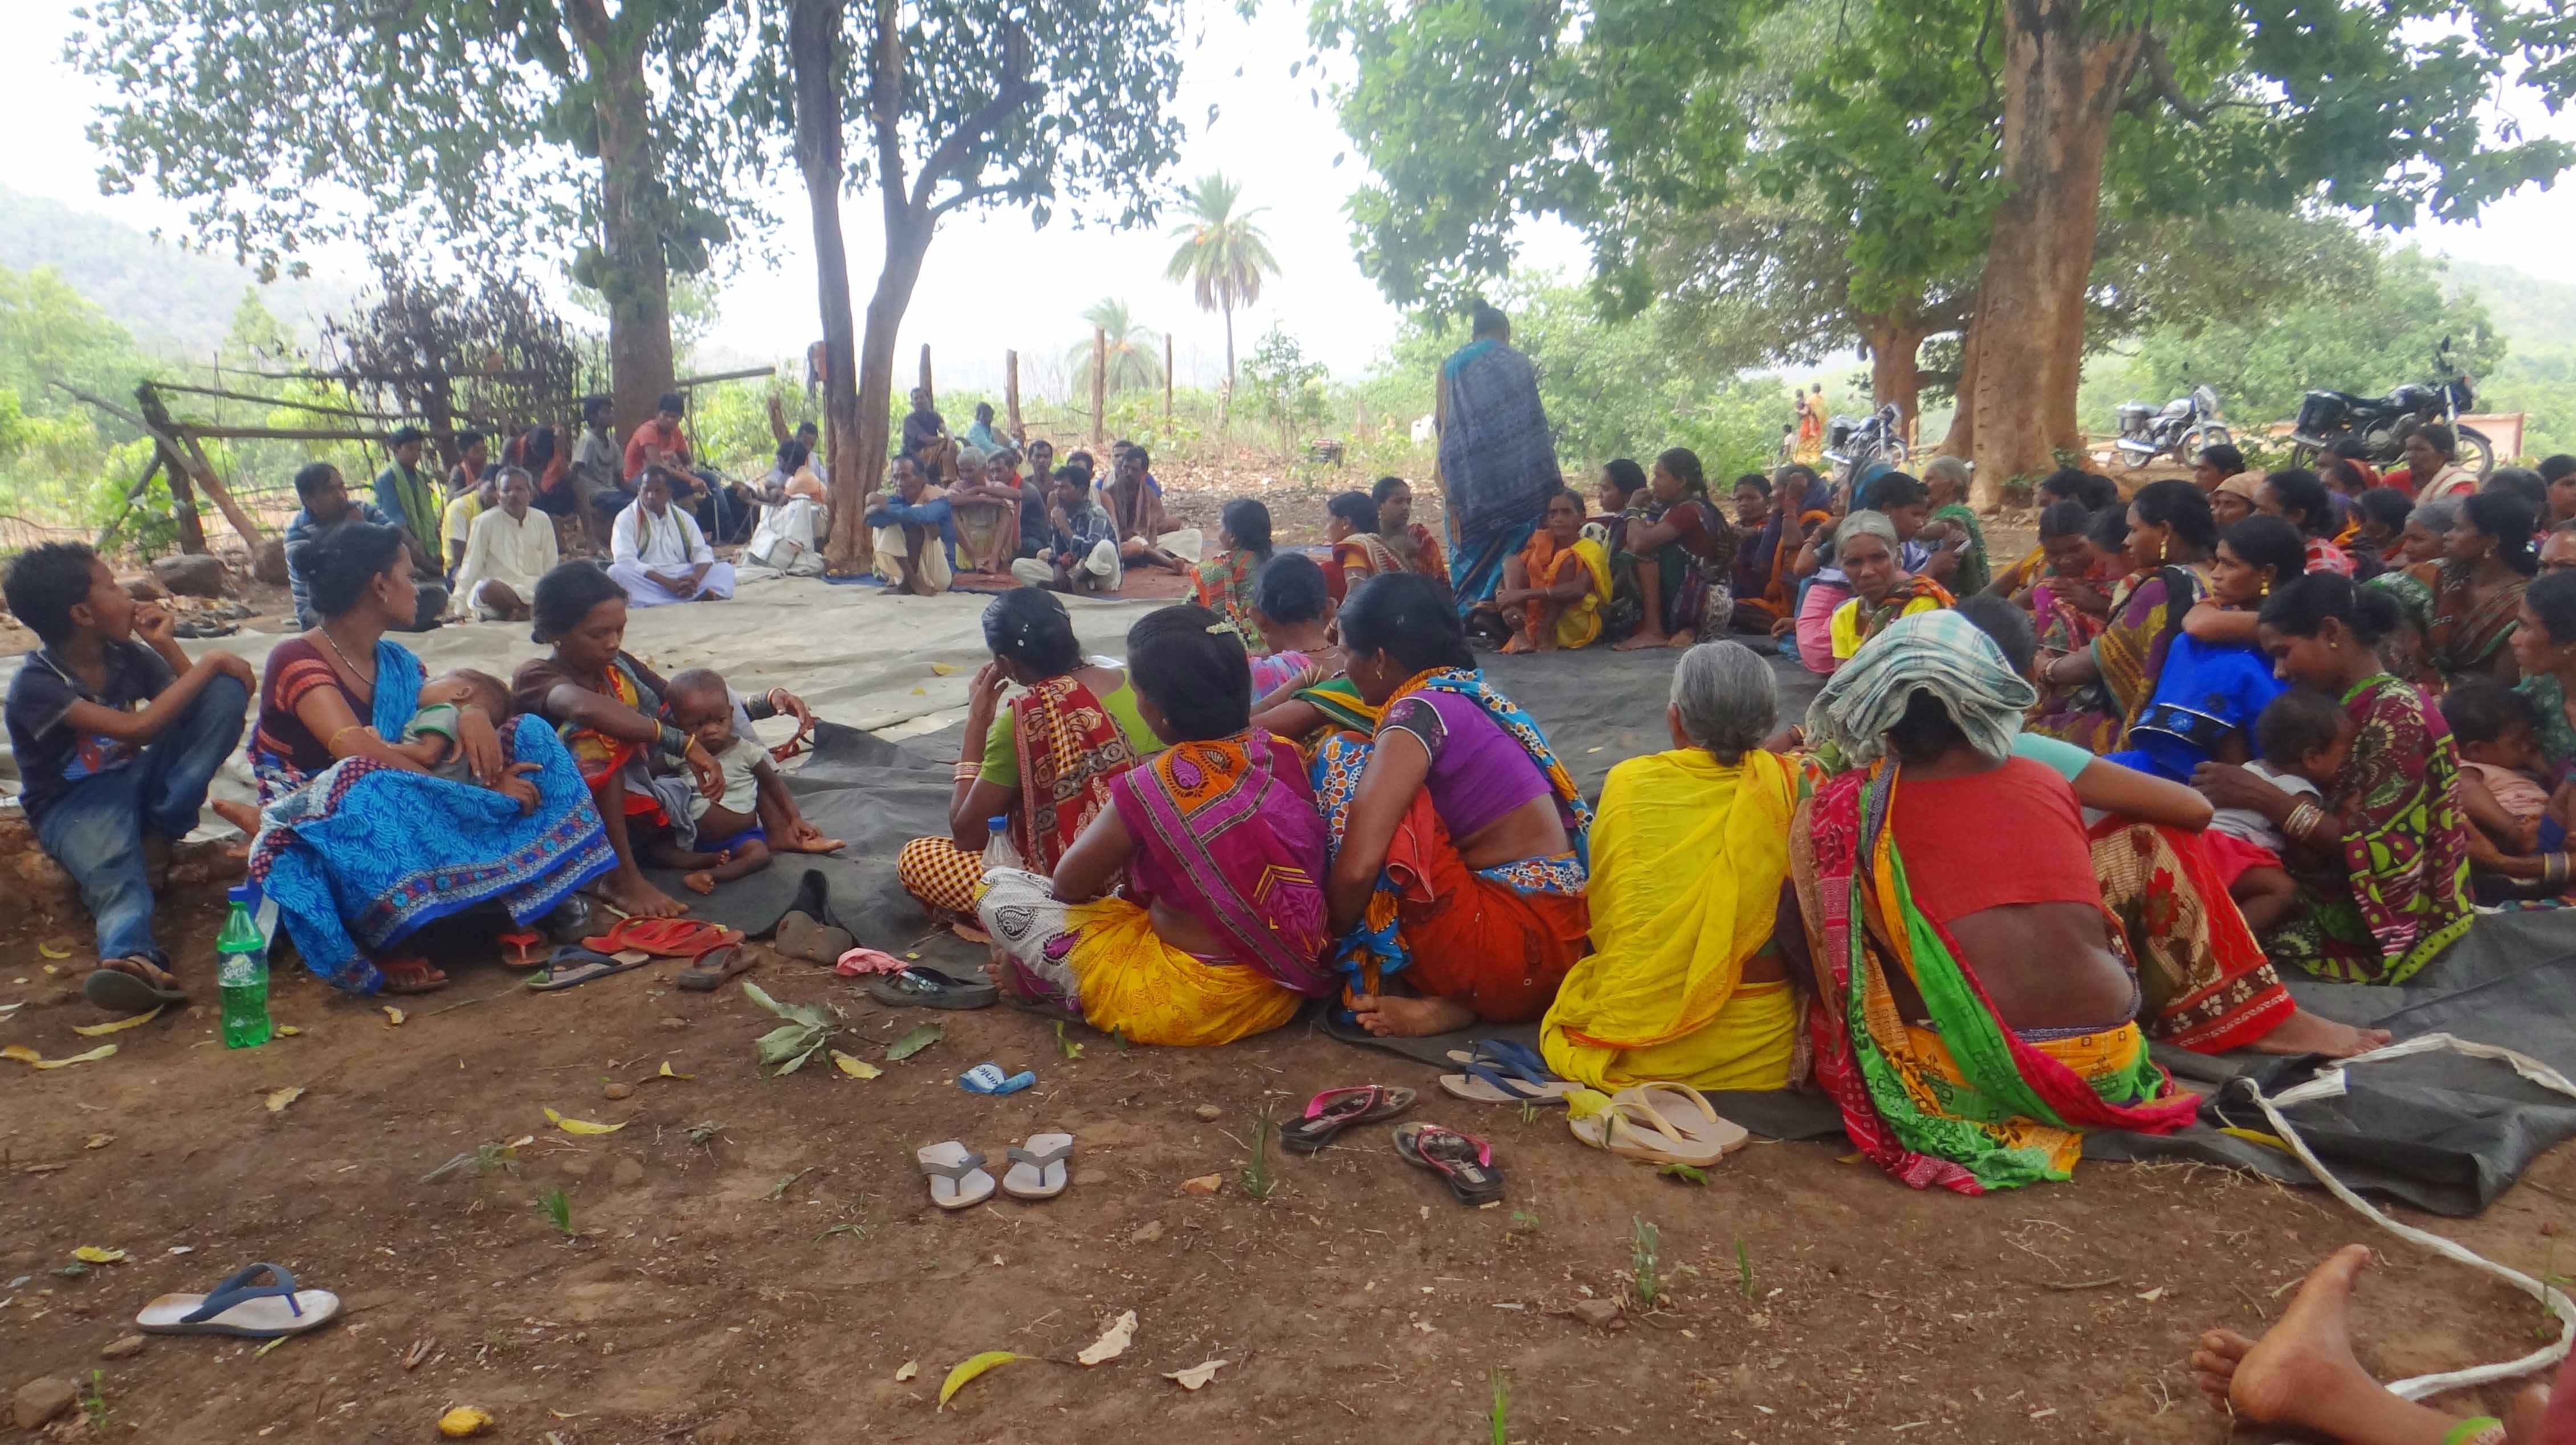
(1091, 1178)
(122, 1346)
(1152, 1231)
(143, 589)
(268, 563)
(619, 1091)
(190, 576)
(1204, 1184)
(1601, 1314)
(41, 1400)
(1209, 1113)
(627, 1174)
(674, 1021)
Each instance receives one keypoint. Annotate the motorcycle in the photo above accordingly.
(2183, 427)
(1853, 442)
(2383, 423)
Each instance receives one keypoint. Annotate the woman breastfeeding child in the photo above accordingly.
(652, 777)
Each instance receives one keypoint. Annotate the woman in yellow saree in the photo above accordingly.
(1688, 853)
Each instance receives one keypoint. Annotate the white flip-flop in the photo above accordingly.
(240, 1308)
(1037, 1167)
(956, 1174)
(1662, 1123)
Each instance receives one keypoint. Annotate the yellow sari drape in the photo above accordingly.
(1688, 856)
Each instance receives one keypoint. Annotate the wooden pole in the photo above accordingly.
(148, 398)
(183, 499)
(925, 376)
(1011, 396)
(1099, 386)
(133, 494)
(1167, 383)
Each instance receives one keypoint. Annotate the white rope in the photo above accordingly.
(2330, 1083)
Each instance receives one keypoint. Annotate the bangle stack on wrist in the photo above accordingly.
(2303, 819)
(2553, 871)
(968, 770)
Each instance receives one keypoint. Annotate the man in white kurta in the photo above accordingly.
(506, 550)
(658, 554)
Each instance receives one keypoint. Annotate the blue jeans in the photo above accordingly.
(96, 830)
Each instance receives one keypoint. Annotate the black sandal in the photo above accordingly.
(709, 970)
(1464, 1162)
(1334, 1110)
(114, 989)
(921, 986)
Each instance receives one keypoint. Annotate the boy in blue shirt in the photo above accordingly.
(116, 740)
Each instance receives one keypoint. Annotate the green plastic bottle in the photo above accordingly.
(242, 977)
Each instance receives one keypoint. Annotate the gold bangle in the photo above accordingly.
(334, 743)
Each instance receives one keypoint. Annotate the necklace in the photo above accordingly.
(369, 678)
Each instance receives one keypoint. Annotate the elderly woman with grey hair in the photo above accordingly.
(1689, 852)
(1882, 590)
(1945, 479)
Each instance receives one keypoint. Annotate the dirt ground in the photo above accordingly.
(755, 1259)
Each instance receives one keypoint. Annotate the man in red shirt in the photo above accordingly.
(660, 442)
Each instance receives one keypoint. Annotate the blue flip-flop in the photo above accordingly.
(1501, 1071)
(988, 1079)
(242, 1309)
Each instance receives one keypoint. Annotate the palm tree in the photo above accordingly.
(1222, 254)
(1133, 366)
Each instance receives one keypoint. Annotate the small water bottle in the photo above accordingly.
(241, 976)
(999, 850)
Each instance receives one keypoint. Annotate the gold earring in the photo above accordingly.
(2162, 548)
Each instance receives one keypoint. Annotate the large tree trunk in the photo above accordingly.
(907, 241)
(2060, 89)
(637, 282)
(814, 45)
(1894, 370)
(1962, 440)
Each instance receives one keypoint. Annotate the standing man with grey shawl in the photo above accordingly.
(1497, 461)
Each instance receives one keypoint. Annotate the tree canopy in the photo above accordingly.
(1134, 361)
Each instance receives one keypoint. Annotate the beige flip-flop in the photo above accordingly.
(1037, 1167)
(1661, 1123)
(956, 1174)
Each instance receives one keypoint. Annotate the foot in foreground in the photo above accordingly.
(1393, 1016)
(626, 890)
(2305, 1033)
(2302, 1375)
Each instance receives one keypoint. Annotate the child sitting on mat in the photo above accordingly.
(2304, 736)
(2516, 822)
(727, 836)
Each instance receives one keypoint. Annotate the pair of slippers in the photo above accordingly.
(1659, 1123)
(1463, 1162)
(1503, 1071)
(239, 1308)
(958, 1181)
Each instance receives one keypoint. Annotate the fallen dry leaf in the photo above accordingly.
(944, 669)
(56, 948)
(121, 1025)
(1196, 1375)
(462, 1421)
(93, 1254)
(1204, 1184)
(856, 1068)
(418, 1352)
(580, 1126)
(278, 1101)
(393, 1016)
(20, 1053)
(667, 1072)
(287, 1031)
(1115, 1336)
(99, 1141)
(2153, 1295)
(910, 1369)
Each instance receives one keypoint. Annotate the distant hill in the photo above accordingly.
(175, 302)
(2537, 317)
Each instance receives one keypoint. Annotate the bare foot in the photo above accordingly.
(240, 815)
(1520, 643)
(2302, 1372)
(810, 840)
(1392, 1016)
(2305, 1033)
(625, 890)
(1640, 642)
(1683, 638)
(701, 881)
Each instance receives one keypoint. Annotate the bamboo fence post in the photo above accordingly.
(925, 376)
(1011, 395)
(192, 460)
(1167, 383)
(1099, 386)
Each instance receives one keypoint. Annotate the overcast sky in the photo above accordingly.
(992, 283)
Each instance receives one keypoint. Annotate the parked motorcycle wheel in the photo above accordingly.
(2303, 457)
(2217, 436)
(2136, 460)
(2474, 444)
